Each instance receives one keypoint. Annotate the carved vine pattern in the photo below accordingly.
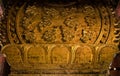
(38, 24)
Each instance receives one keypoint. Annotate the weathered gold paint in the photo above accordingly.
(63, 38)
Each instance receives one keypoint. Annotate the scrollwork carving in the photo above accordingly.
(28, 36)
(45, 21)
(86, 36)
(71, 22)
(51, 12)
(31, 18)
(90, 18)
(35, 24)
(67, 11)
(49, 36)
(91, 21)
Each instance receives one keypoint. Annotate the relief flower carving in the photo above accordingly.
(49, 36)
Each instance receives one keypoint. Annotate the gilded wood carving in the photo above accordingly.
(68, 37)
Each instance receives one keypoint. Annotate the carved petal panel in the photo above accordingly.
(76, 58)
